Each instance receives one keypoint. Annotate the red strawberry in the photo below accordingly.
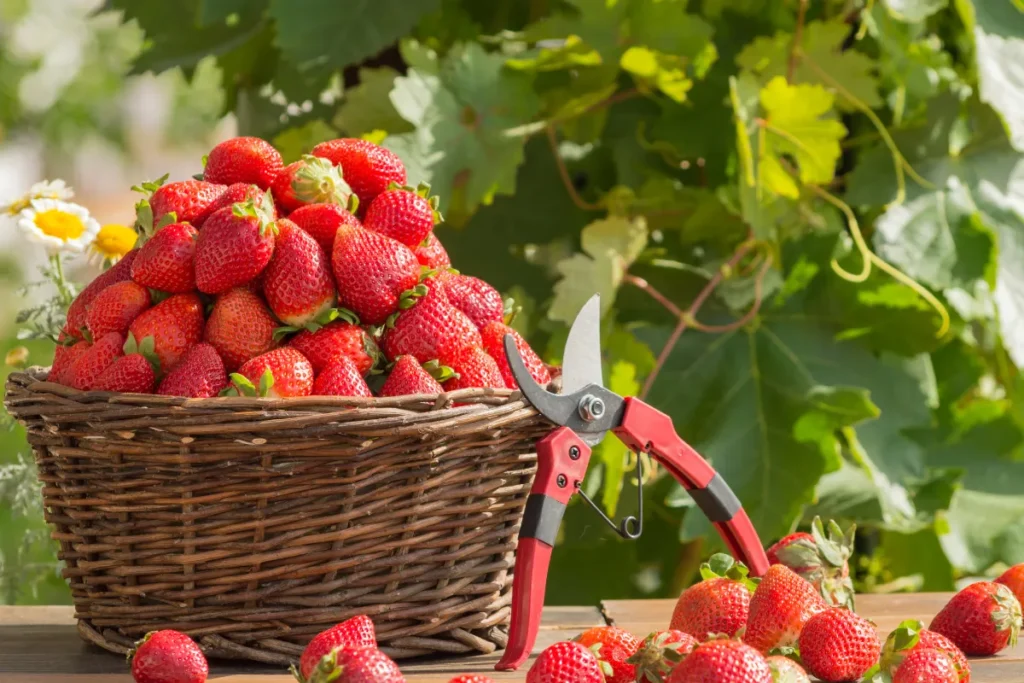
(64, 359)
(719, 604)
(493, 334)
(924, 665)
(356, 664)
(838, 645)
(119, 272)
(322, 221)
(243, 160)
(661, 652)
(782, 604)
(614, 647)
(357, 631)
(409, 377)
(1013, 578)
(97, 358)
(471, 678)
(822, 560)
(235, 245)
(722, 661)
(478, 300)
(200, 374)
(131, 374)
(240, 327)
(297, 282)
(191, 201)
(473, 368)
(431, 253)
(279, 373)
(176, 325)
(910, 636)
(167, 261)
(311, 180)
(339, 339)
(168, 657)
(114, 309)
(369, 169)
(785, 670)
(981, 619)
(341, 378)
(567, 662)
(372, 271)
(406, 214)
(237, 193)
(430, 329)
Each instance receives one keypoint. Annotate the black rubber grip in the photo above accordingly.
(542, 518)
(717, 500)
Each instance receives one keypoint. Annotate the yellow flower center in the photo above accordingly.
(114, 241)
(60, 224)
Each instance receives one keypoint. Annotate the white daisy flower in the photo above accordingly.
(46, 189)
(59, 225)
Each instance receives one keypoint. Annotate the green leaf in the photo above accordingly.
(367, 107)
(914, 10)
(598, 24)
(266, 382)
(662, 72)
(831, 409)
(313, 33)
(294, 142)
(226, 11)
(612, 452)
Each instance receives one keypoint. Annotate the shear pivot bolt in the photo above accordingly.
(591, 408)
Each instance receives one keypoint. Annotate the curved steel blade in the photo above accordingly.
(581, 361)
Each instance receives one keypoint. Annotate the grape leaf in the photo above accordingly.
(597, 23)
(622, 379)
(914, 10)
(294, 142)
(656, 70)
(831, 409)
(366, 106)
(221, 11)
(822, 46)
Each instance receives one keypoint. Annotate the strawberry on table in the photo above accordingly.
(371, 272)
(234, 246)
(357, 631)
(356, 664)
(297, 282)
(471, 678)
(431, 253)
(429, 329)
(838, 645)
(567, 662)
(493, 334)
(119, 272)
(168, 657)
(64, 359)
(167, 261)
(338, 339)
(321, 221)
(925, 665)
(911, 635)
(406, 214)
(616, 646)
(311, 180)
(114, 309)
(982, 619)
(722, 661)
(200, 374)
(240, 327)
(369, 169)
(719, 604)
(341, 378)
(191, 201)
(94, 361)
(473, 368)
(821, 559)
(478, 300)
(785, 670)
(280, 373)
(659, 653)
(409, 377)
(175, 324)
(781, 605)
(1013, 578)
(243, 160)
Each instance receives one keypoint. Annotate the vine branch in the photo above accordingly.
(563, 173)
(798, 36)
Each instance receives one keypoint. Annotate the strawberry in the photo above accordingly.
(371, 271)
(279, 373)
(910, 636)
(785, 670)
(822, 560)
(167, 261)
(176, 325)
(191, 201)
(64, 359)
(478, 300)
(235, 245)
(200, 374)
(356, 664)
(471, 678)
(114, 309)
(567, 662)
(130, 374)
(119, 272)
(659, 653)
(240, 327)
(837, 644)
(981, 619)
(94, 360)
(429, 329)
(473, 368)
(431, 253)
(243, 160)
(237, 193)
(297, 282)
(1013, 578)
(311, 180)
(168, 657)
(322, 221)
(339, 339)
(369, 169)
(493, 334)
(719, 604)
(613, 646)
(341, 378)
(406, 214)
(925, 665)
(409, 377)
(782, 604)
(722, 661)
(357, 631)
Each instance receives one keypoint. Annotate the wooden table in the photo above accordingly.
(40, 644)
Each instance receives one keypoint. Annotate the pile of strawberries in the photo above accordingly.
(782, 628)
(257, 278)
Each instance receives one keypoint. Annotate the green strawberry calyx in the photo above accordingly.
(423, 190)
(441, 373)
(148, 187)
(824, 562)
(721, 565)
(262, 212)
(899, 642)
(317, 323)
(511, 310)
(656, 657)
(1007, 614)
(145, 348)
(319, 181)
(243, 386)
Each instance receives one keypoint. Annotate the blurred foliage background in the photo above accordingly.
(804, 217)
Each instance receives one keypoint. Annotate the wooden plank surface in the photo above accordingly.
(887, 611)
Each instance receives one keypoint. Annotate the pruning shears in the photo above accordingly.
(584, 412)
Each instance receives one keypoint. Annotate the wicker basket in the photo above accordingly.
(253, 524)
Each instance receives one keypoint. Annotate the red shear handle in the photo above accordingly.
(645, 428)
(562, 460)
